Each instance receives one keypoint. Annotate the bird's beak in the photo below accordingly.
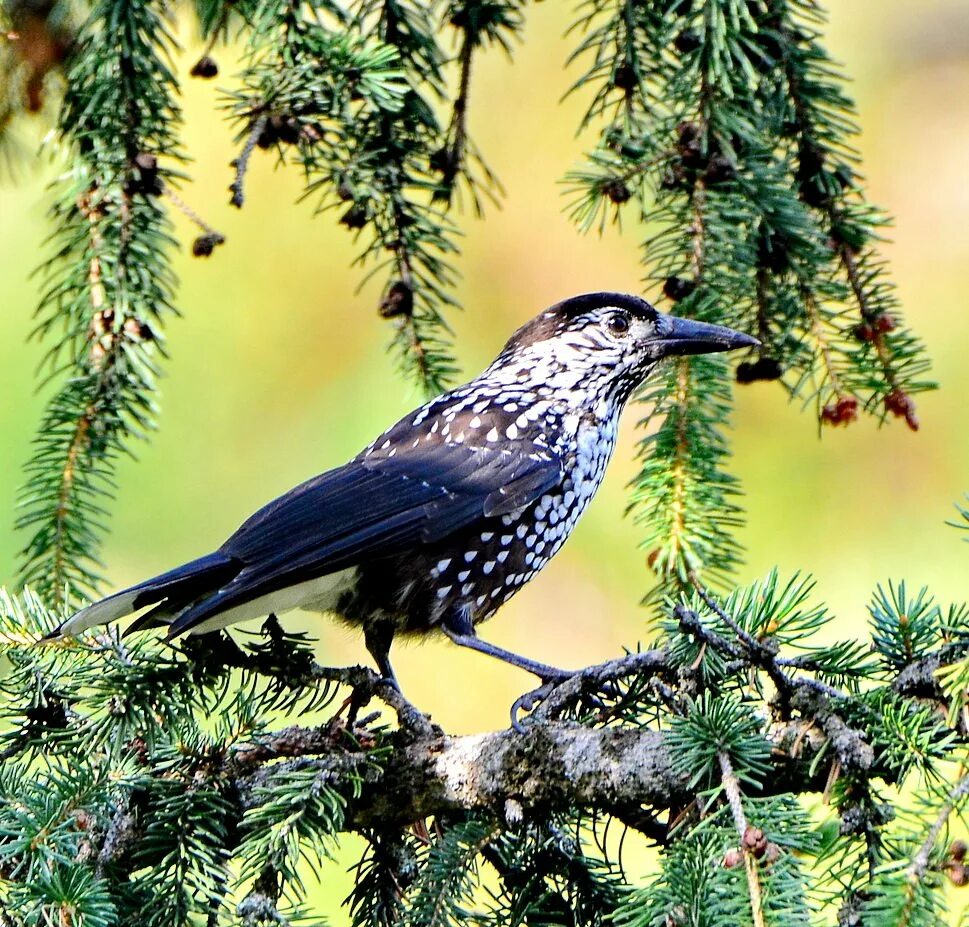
(685, 336)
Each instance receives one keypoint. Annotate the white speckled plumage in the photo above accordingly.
(452, 510)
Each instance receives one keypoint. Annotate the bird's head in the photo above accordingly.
(609, 342)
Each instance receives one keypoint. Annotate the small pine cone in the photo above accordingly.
(957, 850)
(720, 170)
(139, 747)
(398, 301)
(957, 874)
(689, 143)
(754, 840)
(268, 136)
(899, 403)
(884, 323)
(687, 41)
(677, 288)
(764, 368)
(204, 245)
(842, 412)
(617, 191)
(732, 858)
(146, 179)
(772, 854)
(355, 217)
(624, 77)
(205, 68)
(286, 128)
(864, 332)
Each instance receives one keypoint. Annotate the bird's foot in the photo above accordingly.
(550, 682)
(528, 701)
(409, 716)
(551, 678)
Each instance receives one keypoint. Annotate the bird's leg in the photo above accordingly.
(378, 637)
(459, 629)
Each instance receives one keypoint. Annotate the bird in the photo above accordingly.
(451, 511)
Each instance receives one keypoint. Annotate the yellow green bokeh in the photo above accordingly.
(278, 368)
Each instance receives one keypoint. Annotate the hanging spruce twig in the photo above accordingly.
(109, 291)
(726, 125)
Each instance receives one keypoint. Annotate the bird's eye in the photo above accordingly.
(618, 324)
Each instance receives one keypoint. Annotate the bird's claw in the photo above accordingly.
(551, 679)
(530, 700)
(550, 682)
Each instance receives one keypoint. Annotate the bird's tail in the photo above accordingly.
(169, 593)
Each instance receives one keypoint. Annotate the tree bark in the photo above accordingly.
(550, 765)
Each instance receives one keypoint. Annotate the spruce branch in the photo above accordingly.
(920, 862)
(727, 125)
(150, 798)
(823, 117)
(241, 163)
(109, 290)
(139, 780)
(353, 107)
(748, 835)
(480, 23)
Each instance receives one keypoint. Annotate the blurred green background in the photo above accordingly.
(278, 367)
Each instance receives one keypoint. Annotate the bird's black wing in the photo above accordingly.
(414, 486)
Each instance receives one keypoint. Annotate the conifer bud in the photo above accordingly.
(754, 840)
(204, 245)
(900, 404)
(355, 217)
(624, 77)
(720, 170)
(677, 288)
(687, 41)
(398, 301)
(617, 191)
(733, 858)
(764, 368)
(842, 412)
(205, 68)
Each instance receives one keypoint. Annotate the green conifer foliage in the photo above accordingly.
(767, 774)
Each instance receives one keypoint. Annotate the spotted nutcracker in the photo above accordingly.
(451, 511)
